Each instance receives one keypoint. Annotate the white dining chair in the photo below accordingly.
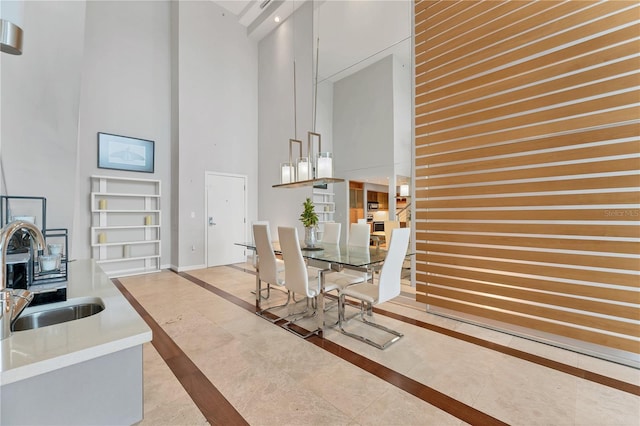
(387, 287)
(301, 279)
(359, 235)
(331, 233)
(254, 260)
(270, 268)
(255, 254)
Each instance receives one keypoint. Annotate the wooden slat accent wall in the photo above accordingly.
(527, 164)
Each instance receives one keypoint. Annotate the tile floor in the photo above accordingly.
(273, 377)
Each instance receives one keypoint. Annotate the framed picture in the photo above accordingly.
(125, 153)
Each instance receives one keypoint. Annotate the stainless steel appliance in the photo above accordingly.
(372, 205)
(378, 226)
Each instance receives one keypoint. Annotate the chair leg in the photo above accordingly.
(341, 314)
(263, 312)
(314, 312)
(267, 289)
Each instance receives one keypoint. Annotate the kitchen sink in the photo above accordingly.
(57, 315)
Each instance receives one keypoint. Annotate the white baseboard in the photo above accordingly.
(187, 268)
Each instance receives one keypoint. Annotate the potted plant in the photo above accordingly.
(309, 219)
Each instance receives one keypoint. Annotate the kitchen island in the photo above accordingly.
(85, 371)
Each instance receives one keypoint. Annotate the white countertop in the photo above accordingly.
(32, 352)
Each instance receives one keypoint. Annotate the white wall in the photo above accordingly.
(277, 51)
(217, 115)
(40, 95)
(126, 90)
(402, 116)
(182, 74)
(363, 129)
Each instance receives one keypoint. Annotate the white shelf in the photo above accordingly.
(321, 200)
(124, 194)
(123, 211)
(121, 240)
(125, 227)
(128, 259)
(124, 243)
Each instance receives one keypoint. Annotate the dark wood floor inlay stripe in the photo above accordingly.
(213, 405)
(536, 359)
(429, 395)
(568, 369)
(438, 399)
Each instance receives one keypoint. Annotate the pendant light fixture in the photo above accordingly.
(11, 23)
(317, 167)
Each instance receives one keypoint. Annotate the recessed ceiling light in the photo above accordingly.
(277, 19)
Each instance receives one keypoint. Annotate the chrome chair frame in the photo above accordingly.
(370, 294)
(268, 269)
(298, 280)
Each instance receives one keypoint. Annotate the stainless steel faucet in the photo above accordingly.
(13, 302)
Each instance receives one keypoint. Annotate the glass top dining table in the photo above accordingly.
(330, 257)
(343, 255)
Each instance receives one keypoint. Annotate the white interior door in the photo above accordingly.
(226, 218)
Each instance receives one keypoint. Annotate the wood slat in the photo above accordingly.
(600, 307)
(553, 244)
(538, 284)
(421, 6)
(473, 170)
(587, 136)
(612, 199)
(621, 343)
(487, 38)
(548, 256)
(558, 113)
(535, 42)
(441, 18)
(507, 105)
(432, 34)
(527, 170)
(453, 22)
(600, 214)
(514, 96)
(484, 18)
(522, 307)
(534, 130)
(556, 272)
(504, 91)
(624, 181)
(597, 230)
(582, 55)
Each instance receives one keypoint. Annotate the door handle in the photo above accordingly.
(211, 222)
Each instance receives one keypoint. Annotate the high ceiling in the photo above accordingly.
(352, 33)
(258, 16)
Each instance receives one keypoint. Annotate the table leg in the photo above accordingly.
(320, 304)
(258, 290)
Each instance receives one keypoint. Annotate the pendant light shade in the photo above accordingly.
(11, 22)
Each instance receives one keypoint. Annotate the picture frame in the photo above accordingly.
(125, 153)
